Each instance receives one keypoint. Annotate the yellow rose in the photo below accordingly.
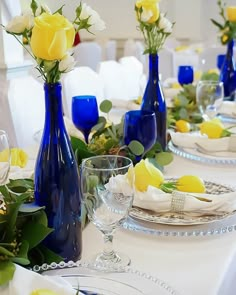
(52, 36)
(43, 292)
(151, 10)
(146, 174)
(231, 13)
(18, 157)
(191, 184)
(182, 126)
(213, 128)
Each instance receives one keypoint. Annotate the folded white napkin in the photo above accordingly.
(228, 108)
(161, 202)
(24, 282)
(189, 140)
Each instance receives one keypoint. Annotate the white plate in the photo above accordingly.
(193, 154)
(128, 282)
(174, 218)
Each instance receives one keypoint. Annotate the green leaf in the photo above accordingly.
(22, 256)
(136, 147)
(49, 256)
(106, 106)
(4, 251)
(110, 143)
(30, 208)
(164, 158)
(29, 230)
(7, 269)
(40, 217)
(78, 143)
(99, 126)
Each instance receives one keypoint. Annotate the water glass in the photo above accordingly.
(84, 113)
(209, 96)
(107, 186)
(185, 74)
(140, 125)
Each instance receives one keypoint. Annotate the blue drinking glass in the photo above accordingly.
(185, 75)
(220, 60)
(140, 125)
(84, 113)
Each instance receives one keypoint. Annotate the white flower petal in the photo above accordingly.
(67, 64)
(16, 25)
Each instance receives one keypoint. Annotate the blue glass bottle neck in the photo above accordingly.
(53, 104)
(153, 66)
(230, 48)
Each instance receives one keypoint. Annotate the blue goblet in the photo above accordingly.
(84, 113)
(185, 75)
(140, 125)
(220, 60)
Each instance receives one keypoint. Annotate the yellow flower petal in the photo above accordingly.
(231, 13)
(43, 292)
(18, 157)
(191, 184)
(213, 128)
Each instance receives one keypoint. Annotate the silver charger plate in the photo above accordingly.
(194, 155)
(91, 282)
(178, 219)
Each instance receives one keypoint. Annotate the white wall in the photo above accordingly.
(192, 17)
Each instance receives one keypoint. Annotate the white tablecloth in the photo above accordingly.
(191, 265)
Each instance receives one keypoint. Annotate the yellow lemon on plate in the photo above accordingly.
(182, 126)
(213, 128)
(190, 184)
(147, 174)
(43, 292)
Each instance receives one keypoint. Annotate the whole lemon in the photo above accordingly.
(213, 128)
(182, 126)
(147, 174)
(191, 184)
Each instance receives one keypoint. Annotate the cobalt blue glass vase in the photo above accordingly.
(57, 180)
(228, 73)
(153, 100)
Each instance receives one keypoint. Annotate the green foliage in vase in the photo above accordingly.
(108, 137)
(23, 227)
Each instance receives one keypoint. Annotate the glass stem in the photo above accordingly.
(108, 246)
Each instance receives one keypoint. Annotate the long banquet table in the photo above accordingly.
(193, 265)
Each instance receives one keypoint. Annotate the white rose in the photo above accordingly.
(94, 19)
(20, 23)
(67, 64)
(165, 24)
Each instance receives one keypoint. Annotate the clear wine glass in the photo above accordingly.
(140, 125)
(185, 75)
(209, 96)
(107, 192)
(5, 157)
(84, 113)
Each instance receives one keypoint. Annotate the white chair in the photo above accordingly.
(133, 71)
(208, 57)
(166, 64)
(81, 81)
(113, 76)
(88, 54)
(110, 50)
(22, 110)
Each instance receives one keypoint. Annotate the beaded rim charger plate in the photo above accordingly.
(194, 155)
(175, 218)
(91, 282)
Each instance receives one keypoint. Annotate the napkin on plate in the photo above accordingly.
(228, 108)
(189, 140)
(25, 281)
(156, 200)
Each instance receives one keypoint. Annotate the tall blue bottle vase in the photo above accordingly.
(57, 180)
(228, 73)
(153, 100)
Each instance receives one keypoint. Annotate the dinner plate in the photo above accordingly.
(91, 282)
(195, 155)
(174, 218)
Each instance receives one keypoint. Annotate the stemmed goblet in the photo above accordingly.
(84, 113)
(5, 157)
(185, 75)
(107, 193)
(209, 96)
(140, 125)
